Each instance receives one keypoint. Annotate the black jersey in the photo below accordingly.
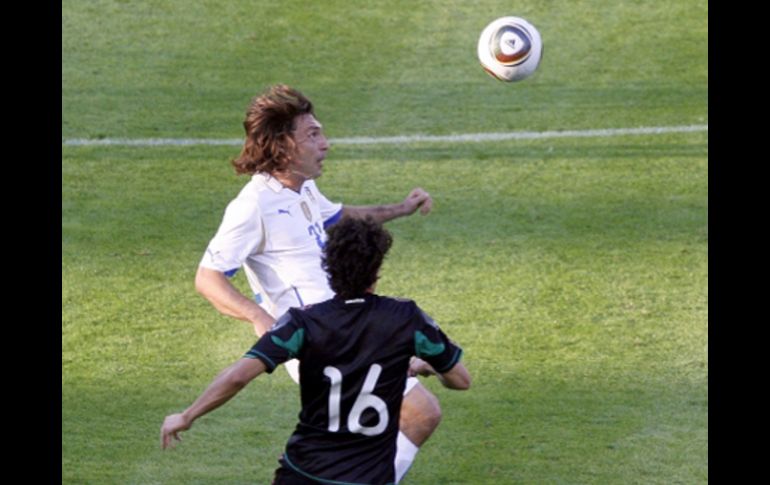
(354, 356)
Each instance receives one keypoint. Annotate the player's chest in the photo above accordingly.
(293, 222)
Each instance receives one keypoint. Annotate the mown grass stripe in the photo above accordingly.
(392, 140)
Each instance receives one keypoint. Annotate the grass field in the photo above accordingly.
(573, 271)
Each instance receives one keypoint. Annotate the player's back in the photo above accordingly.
(352, 335)
(353, 369)
(354, 356)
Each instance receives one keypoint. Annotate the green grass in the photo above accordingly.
(171, 68)
(574, 272)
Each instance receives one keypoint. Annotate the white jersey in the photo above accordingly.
(276, 234)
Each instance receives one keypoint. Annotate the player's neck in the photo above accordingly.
(290, 180)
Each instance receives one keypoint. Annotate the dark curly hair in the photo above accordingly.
(353, 255)
(269, 123)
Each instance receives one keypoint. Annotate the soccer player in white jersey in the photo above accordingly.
(275, 230)
(354, 351)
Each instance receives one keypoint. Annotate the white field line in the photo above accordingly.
(404, 139)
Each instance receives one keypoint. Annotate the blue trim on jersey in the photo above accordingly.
(230, 273)
(333, 219)
(319, 479)
(299, 298)
(256, 354)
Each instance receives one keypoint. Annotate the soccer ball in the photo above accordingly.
(510, 49)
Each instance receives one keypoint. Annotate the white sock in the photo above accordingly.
(405, 453)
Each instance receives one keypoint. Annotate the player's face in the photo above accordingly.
(311, 147)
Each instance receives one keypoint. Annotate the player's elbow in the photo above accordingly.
(458, 383)
(458, 378)
(200, 280)
(239, 375)
(203, 280)
(464, 383)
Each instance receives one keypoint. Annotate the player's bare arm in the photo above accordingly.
(417, 199)
(226, 385)
(221, 293)
(455, 378)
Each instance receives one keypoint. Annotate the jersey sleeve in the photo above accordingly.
(282, 342)
(433, 346)
(239, 234)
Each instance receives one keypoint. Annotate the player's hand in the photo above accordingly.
(172, 426)
(418, 367)
(418, 198)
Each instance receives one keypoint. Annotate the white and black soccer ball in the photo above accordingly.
(510, 49)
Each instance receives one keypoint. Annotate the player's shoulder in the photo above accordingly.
(300, 317)
(282, 321)
(254, 196)
(314, 309)
(397, 300)
(245, 206)
(260, 185)
(396, 304)
(408, 309)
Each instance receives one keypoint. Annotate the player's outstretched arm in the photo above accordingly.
(417, 199)
(226, 385)
(220, 292)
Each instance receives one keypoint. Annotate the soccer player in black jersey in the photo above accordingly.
(354, 352)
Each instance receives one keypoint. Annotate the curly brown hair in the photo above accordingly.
(269, 123)
(353, 255)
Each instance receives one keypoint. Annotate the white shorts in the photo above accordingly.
(410, 383)
(292, 367)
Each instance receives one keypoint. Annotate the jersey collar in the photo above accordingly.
(272, 182)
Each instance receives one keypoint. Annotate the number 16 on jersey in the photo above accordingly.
(364, 401)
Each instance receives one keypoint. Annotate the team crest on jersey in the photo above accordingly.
(310, 194)
(306, 211)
